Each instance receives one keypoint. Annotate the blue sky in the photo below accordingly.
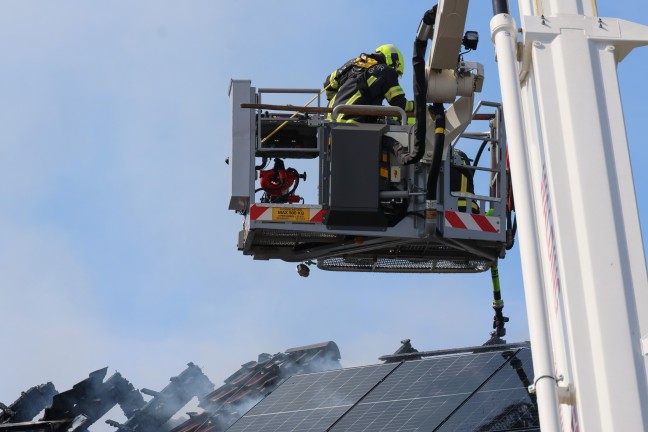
(116, 245)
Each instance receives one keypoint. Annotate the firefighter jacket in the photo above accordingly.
(364, 81)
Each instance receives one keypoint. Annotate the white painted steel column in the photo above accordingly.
(504, 35)
(544, 229)
(541, 196)
(599, 306)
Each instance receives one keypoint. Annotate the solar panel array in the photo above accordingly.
(312, 402)
(469, 392)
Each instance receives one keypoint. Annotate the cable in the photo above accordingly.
(479, 152)
(264, 163)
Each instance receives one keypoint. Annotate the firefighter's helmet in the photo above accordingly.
(393, 57)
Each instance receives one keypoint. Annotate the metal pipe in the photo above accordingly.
(451, 351)
(301, 109)
(504, 36)
(376, 110)
(287, 90)
(393, 194)
(399, 194)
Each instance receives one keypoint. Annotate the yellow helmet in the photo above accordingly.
(393, 57)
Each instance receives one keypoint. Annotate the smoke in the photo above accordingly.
(324, 363)
(190, 409)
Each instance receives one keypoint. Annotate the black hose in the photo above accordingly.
(510, 233)
(264, 163)
(420, 103)
(295, 183)
(426, 29)
(438, 113)
(479, 152)
(500, 7)
(498, 305)
(511, 222)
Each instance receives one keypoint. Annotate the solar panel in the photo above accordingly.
(481, 392)
(420, 395)
(503, 403)
(312, 402)
(317, 420)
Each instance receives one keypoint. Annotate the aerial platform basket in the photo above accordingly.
(371, 213)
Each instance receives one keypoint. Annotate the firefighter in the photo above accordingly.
(367, 80)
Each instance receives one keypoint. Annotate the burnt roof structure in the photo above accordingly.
(481, 389)
(29, 404)
(92, 398)
(75, 410)
(166, 403)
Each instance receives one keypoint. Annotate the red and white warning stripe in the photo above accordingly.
(472, 222)
(286, 213)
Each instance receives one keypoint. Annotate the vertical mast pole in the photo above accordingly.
(503, 32)
(584, 216)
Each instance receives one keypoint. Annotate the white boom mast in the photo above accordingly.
(581, 246)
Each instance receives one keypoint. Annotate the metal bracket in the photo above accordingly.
(565, 392)
(623, 35)
(644, 345)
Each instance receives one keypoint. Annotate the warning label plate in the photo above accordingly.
(291, 214)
